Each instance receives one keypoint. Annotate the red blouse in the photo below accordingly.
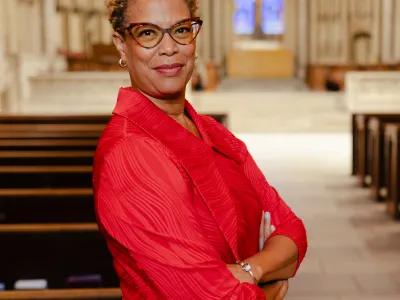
(175, 209)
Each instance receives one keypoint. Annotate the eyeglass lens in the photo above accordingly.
(150, 35)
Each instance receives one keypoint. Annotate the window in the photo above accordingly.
(244, 18)
(272, 17)
(271, 21)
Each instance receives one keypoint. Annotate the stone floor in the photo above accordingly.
(354, 248)
(277, 111)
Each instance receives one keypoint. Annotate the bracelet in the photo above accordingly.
(247, 267)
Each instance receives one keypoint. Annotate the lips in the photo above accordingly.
(169, 70)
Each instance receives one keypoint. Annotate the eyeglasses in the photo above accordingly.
(149, 35)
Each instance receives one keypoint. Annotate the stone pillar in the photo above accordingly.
(302, 34)
(36, 28)
(387, 31)
(375, 7)
(396, 31)
(206, 31)
(22, 11)
(313, 31)
(51, 28)
(228, 33)
(344, 23)
(75, 32)
(218, 32)
(292, 22)
(106, 30)
(13, 25)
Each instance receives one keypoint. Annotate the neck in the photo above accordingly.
(173, 107)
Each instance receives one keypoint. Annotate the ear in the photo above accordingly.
(120, 44)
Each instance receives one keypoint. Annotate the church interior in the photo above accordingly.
(311, 86)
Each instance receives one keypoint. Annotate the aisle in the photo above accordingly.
(354, 249)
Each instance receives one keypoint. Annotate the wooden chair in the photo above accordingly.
(392, 169)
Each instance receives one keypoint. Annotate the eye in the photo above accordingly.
(183, 29)
(146, 32)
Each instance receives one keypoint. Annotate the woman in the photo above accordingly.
(178, 198)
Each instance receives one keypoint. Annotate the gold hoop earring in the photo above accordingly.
(196, 56)
(122, 64)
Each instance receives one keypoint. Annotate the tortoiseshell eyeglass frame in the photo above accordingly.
(194, 21)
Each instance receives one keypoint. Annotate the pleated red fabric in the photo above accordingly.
(175, 208)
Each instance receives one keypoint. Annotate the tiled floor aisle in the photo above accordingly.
(354, 249)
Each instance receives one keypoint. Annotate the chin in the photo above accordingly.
(171, 89)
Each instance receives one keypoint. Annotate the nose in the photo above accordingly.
(167, 45)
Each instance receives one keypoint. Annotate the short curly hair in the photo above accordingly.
(117, 11)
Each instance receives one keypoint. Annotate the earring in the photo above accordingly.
(122, 64)
(196, 56)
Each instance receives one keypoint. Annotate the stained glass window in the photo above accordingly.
(244, 17)
(272, 17)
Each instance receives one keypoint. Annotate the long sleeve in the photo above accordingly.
(282, 217)
(144, 205)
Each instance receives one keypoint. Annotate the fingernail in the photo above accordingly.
(272, 228)
(267, 215)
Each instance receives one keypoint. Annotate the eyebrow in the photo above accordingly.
(177, 22)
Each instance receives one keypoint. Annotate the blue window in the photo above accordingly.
(244, 17)
(273, 17)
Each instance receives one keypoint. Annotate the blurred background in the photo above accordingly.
(311, 86)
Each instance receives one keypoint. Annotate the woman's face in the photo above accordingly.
(151, 70)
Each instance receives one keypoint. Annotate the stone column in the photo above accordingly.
(218, 32)
(228, 33)
(106, 30)
(387, 31)
(51, 28)
(396, 31)
(303, 30)
(344, 7)
(12, 27)
(22, 11)
(36, 25)
(292, 22)
(206, 31)
(75, 32)
(313, 31)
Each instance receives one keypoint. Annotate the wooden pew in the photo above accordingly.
(375, 151)
(54, 252)
(392, 169)
(47, 217)
(360, 144)
(64, 294)
(354, 148)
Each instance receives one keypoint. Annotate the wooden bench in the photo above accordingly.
(375, 154)
(54, 252)
(360, 144)
(47, 219)
(392, 169)
(47, 216)
(64, 294)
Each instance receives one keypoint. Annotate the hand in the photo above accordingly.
(265, 228)
(276, 290)
(240, 274)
